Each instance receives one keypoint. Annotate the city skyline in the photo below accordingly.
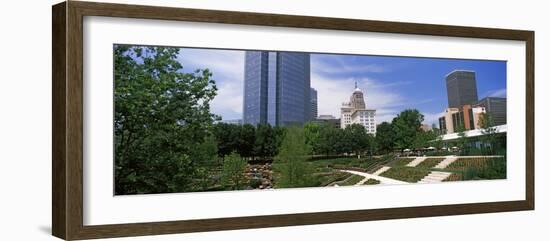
(387, 81)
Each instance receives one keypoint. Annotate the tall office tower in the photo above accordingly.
(276, 88)
(496, 107)
(313, 101)
(461, 88)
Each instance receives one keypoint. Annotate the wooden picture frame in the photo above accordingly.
(67, 123)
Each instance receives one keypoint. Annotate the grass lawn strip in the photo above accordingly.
(350, 181)
(430, 162)
(407, 174)
(371, 182)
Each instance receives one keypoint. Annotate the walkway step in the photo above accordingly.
(445, 163)
(381, 170)
(435, 177)
(416, 161)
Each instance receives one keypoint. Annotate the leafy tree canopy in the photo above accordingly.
(162, 117)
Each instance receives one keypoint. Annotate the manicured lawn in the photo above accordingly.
(371, 182)
(477, 169)
(350, 181)
(454, 177)
(346, 162)
(430, 162)
(401, 162)
(407, 174)
(326, 179)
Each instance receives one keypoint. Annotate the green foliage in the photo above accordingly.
(356, 137)
(430, 162)
(405, 127)
(327, 142)
(161, 119)
(291, 163)
(350, 181)
(489, 132)
(313, 136)
(333, 177)
(385, 137)
(227, 138)
(423, 138)
(206, 152)
(371, 182)
(407, 174)
(266, 141)
(463, 139)
(233, 175)
(247, 139)
(479, 168)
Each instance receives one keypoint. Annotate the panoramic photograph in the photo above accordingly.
(203, 120)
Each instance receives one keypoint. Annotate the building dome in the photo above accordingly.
(357, 89)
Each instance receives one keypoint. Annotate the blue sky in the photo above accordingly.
(390, 84)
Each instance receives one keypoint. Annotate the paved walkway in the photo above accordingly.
(416, 161)
(383, 180)
(448, 160)
(381, 170)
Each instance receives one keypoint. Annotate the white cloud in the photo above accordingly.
(226, 63)
(229, 101)
(333, 92)
(339, 66)
(495, 93)
(227, 67)
(432, 118)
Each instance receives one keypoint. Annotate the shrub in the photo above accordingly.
(233, 171)
(371, 182)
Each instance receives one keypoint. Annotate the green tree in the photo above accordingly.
(227, 137)
(489, 131)
(247, 140)
(313, 134)
(279, 136)
(206, 153)
(406, 126)
(161, 116)
(233, 176)
(357, 138)
(385, 137)
(462, 139)
(323, 143)
(266, 141)
(438, 142)
(372, 146)
(341, 141)
(424, 139)
(291, 163)
(206, 156)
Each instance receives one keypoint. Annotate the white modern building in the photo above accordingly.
(355, 112)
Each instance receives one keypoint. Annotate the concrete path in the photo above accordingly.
(381, 170)
(416, 161)
(383, 180)
(434, 177)
(448, 160)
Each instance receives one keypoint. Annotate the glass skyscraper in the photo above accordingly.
(276, 88)
(313, 100)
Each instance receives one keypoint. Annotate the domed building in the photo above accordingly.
(355, 112)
